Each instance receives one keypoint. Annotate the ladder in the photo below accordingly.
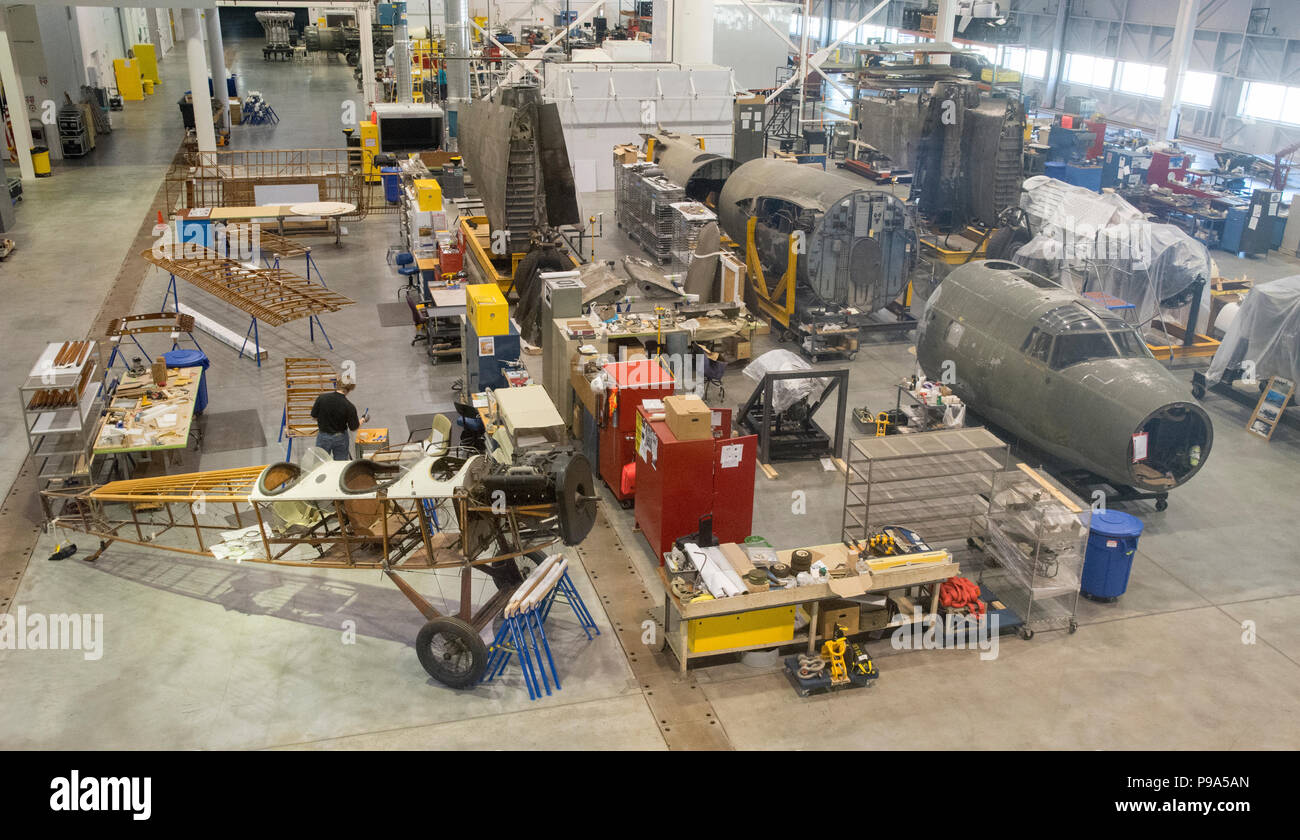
(1268, 411)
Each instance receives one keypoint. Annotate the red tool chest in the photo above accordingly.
(679, 481)
(634, 381)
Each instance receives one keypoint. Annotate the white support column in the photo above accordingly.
(947, 27)
(1170, 108)
(661, 31)
(367, 56)
(198, 64)
(17, 103)
(217, 60)
(802, 66)
(456, 19)
(693, 32)
(1056, 55)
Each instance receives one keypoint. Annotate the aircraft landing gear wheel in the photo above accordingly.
(1161, 504)
(1026, 633)
(452, 652)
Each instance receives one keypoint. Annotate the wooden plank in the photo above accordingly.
(1049, 487)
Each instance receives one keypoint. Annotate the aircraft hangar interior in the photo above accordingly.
(640, 375)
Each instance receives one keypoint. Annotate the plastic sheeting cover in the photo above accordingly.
(1266, 331)
(785, 393)
(1101, 243)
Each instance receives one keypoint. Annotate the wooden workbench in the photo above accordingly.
(874, 583)
(183, 388)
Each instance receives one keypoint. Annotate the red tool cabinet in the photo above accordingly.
(634, 381)
(679, 481)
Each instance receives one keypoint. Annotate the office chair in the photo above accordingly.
(407, 268)
(413, 299)
(714, 369)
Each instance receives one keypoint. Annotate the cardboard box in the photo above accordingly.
(582, 390)
(236, 111)
(688, 417)
(847, 614)
(627, 153)
(486, 308)
(436, 160)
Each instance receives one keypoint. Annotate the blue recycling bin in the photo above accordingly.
(192, 358)
(392, 183)
(231, 86)
(1112, 542)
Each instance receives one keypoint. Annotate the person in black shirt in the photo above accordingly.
(335, 416)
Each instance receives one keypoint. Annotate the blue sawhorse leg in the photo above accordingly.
(525, 661)
(313, 323)
(534, 618)
(257, 345)
(171, 292)
(526, 619)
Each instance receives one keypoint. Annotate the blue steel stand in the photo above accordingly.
(524, 633)
(257, 344)
(284, 424)
(252, 327)
(313, 321)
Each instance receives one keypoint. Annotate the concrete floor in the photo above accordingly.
(202, 654)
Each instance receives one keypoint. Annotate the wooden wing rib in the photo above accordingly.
(212, 486)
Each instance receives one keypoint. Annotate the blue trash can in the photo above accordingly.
(1112, 542)
(392, 183)
(192, 358)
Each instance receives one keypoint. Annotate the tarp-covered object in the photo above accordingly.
(785, 393)
(1266, 331)
(1101, 243)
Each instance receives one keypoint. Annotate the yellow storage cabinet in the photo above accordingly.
(148, 58)
(428, 194)
(129, 83)
(757, 627)
(486, 308)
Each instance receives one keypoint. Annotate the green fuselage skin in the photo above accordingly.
(1085, 414)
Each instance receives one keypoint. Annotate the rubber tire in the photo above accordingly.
(1162, 504)
(1025, 634)
(1198, 391)
(462, 632)
(1004, 243)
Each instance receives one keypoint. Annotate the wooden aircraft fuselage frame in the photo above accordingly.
(406, 534)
